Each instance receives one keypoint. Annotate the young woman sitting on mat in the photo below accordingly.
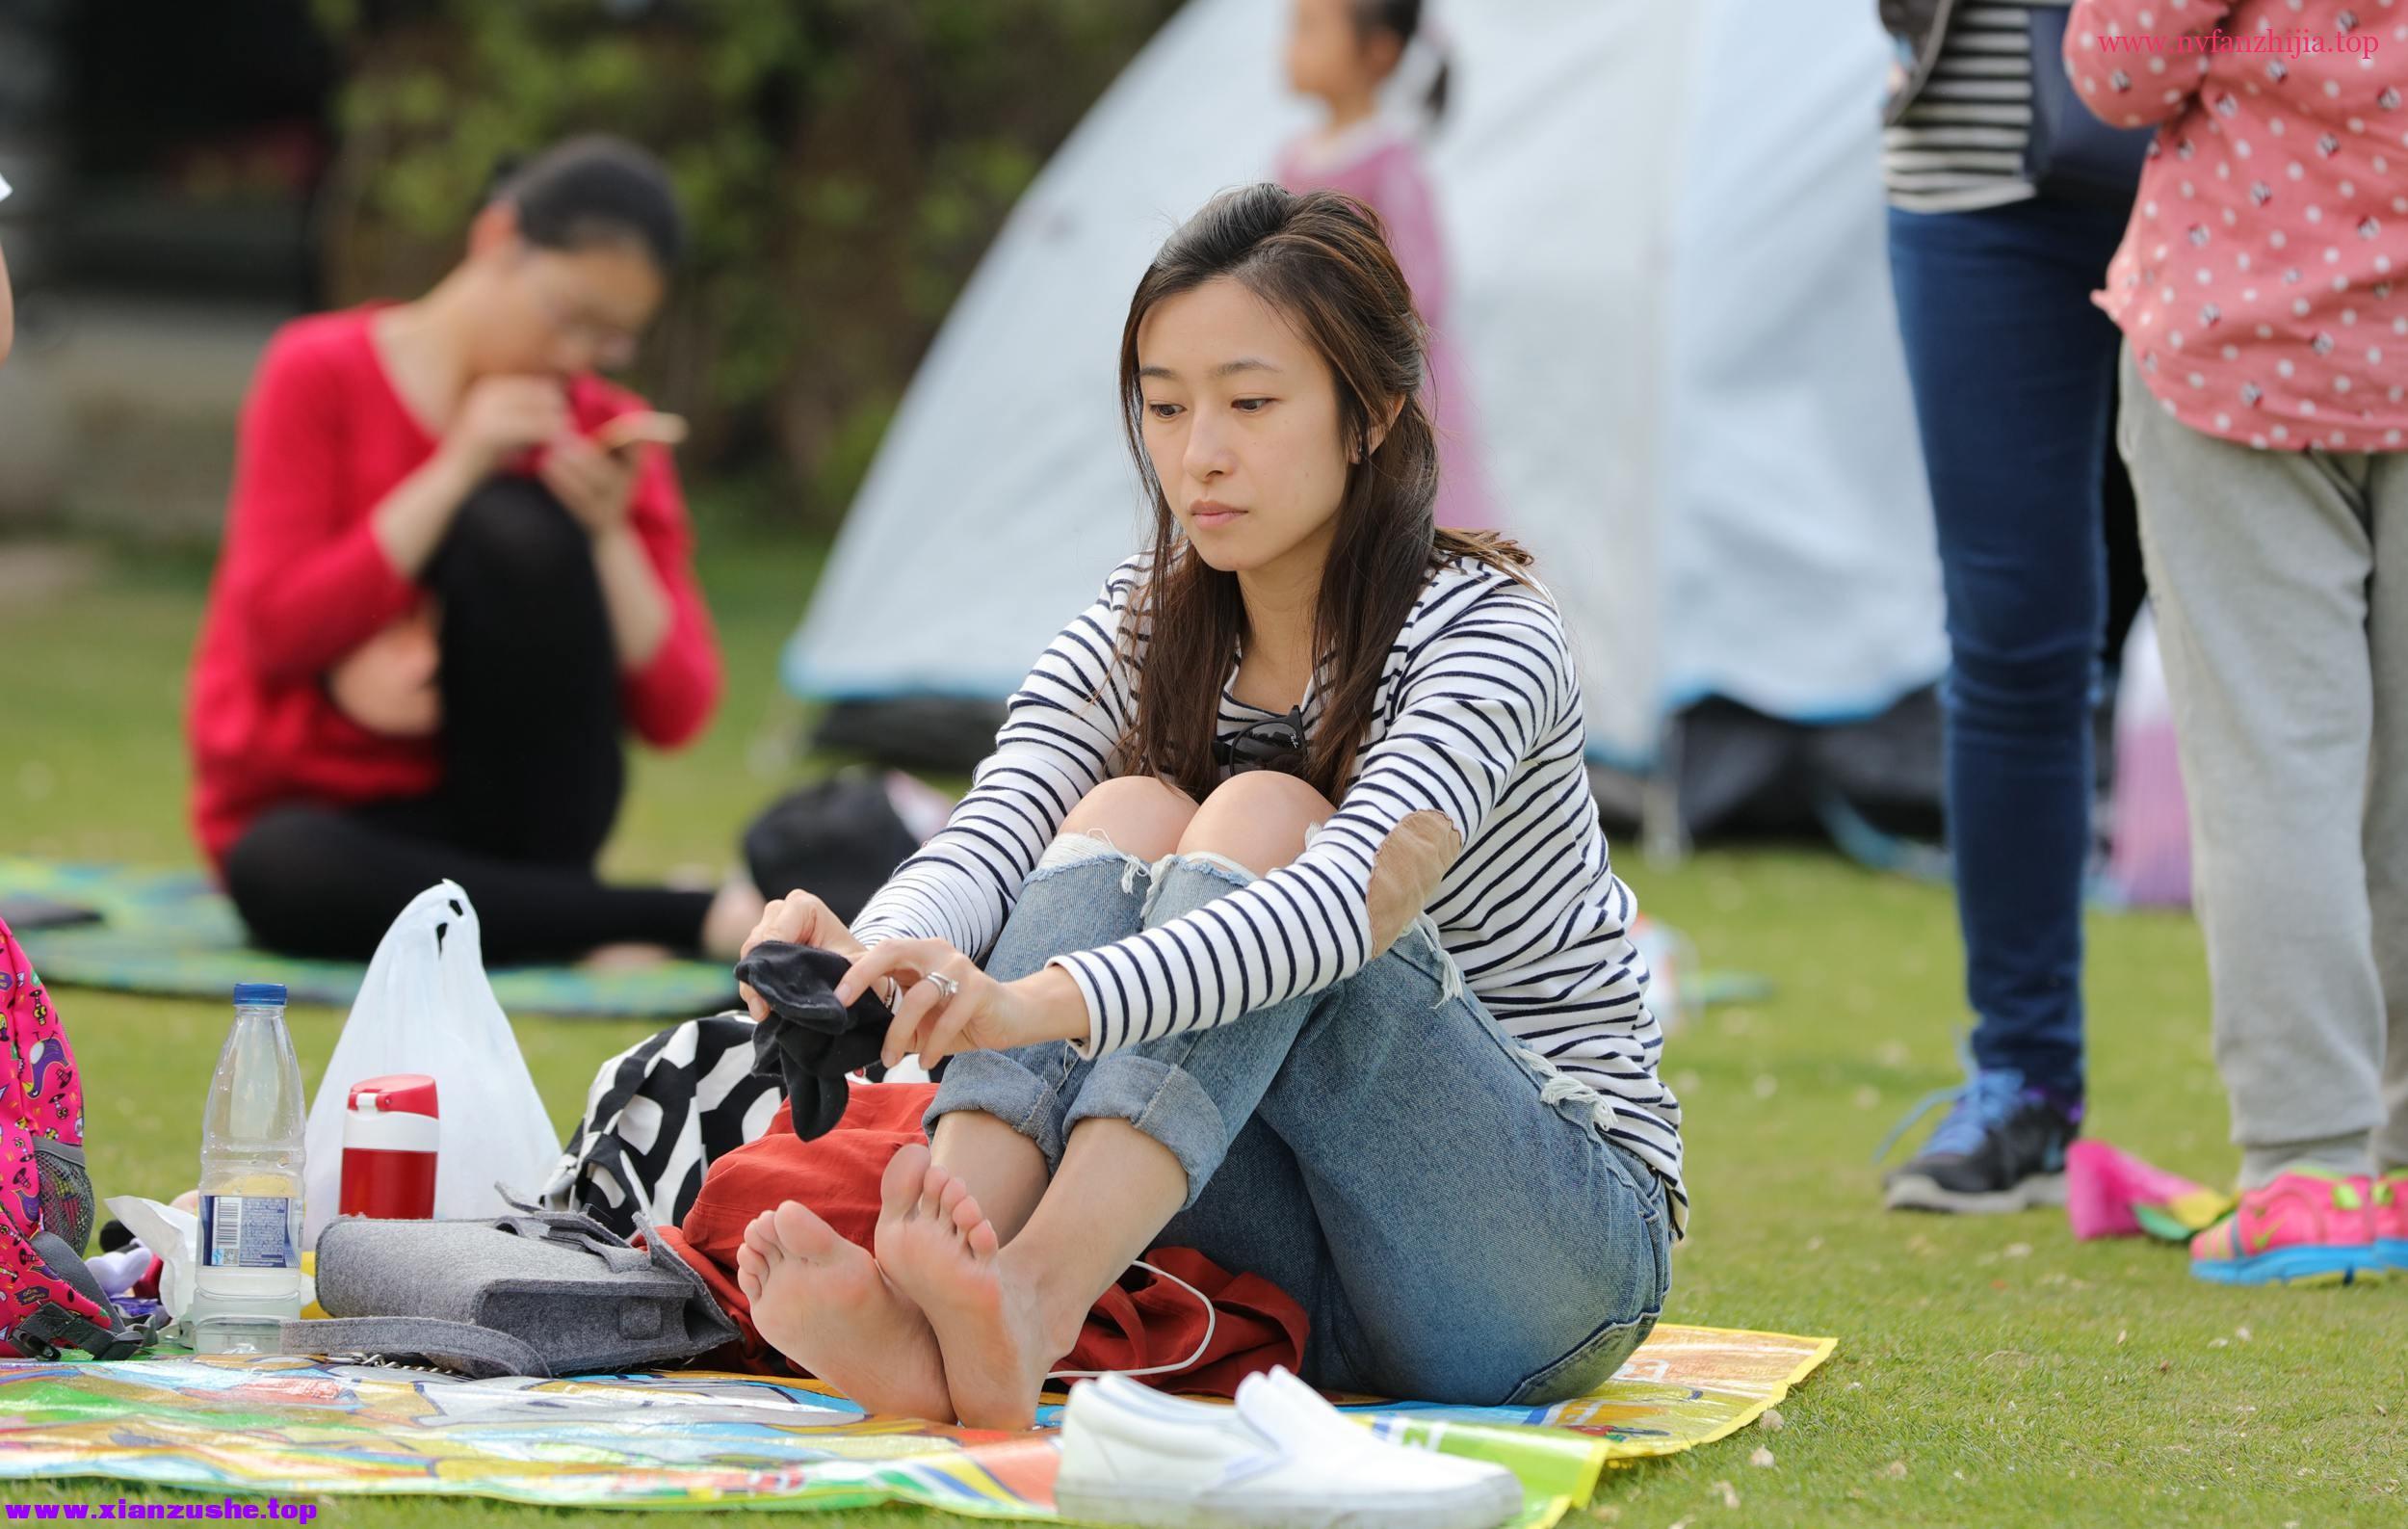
(1317, 968)
(449, 583)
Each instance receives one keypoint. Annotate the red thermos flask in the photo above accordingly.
(390, 1133)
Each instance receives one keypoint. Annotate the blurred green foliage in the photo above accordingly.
(843, 164)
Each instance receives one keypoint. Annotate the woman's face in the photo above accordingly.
(1240, 420)
(561, 312)
(1325, 53)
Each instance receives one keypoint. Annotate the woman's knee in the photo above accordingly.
(1138, 814)
(510, 534)
(1257, 818)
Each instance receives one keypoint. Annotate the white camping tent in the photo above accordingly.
(1672, 296)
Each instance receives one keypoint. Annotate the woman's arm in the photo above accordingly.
(634, 516)
(1491, 690)
(306, 585)
(668, 650)
(309, 587)
(500, 418)
(598, 488)
(1055, 747)
(632, 594)
(2120, 87)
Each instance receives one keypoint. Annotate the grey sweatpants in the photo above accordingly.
(2281, 586)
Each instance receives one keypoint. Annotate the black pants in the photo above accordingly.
(532, 771)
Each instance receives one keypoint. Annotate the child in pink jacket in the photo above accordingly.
(8, 304)
(1342, 52)
(2262, 292)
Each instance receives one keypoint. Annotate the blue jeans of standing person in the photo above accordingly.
(1445, 1209)
(2013, 373)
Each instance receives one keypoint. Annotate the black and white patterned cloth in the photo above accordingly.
(658, 1116)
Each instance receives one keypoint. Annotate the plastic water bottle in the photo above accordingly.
(249, 1276)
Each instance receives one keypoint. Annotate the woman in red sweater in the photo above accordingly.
(440, 601)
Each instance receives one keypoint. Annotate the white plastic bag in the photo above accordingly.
(426, 1007)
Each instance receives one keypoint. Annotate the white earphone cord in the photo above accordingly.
(1212, 1320)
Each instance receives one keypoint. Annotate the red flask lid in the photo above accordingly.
(395, 1094)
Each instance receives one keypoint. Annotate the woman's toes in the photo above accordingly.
(933, 1192)
(984, 1242)
(966, 1213)
(804, 1235)
(956, 1192)
(906, 1174)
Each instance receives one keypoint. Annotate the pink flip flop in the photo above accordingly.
(2110, 1193)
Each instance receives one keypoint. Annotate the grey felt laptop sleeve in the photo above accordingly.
(537, 1293)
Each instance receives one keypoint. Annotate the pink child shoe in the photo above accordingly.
(2110, 1193)
(2391, 1217)
(2307, 1227)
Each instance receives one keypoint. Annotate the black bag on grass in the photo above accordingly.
(838, 840)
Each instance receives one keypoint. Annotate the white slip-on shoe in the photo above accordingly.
(1280, 1458)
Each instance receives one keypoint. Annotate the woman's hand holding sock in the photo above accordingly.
(809, 1039)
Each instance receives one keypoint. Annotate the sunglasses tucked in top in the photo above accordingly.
(1276, 743)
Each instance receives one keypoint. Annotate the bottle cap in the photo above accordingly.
(259, 992)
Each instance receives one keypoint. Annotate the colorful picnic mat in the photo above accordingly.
(299, 1427)
(170, 931)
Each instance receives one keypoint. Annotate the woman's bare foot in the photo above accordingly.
(943, 1255)
(733, 912)
(821, 1301)
(628, 956)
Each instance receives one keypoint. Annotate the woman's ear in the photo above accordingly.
(1379, 431)
(494, 227)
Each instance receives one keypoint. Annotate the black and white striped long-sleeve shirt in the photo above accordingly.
(1479, 718)
(1960, 145)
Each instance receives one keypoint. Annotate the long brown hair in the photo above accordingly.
(1322, 261)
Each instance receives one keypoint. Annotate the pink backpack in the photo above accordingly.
(49, 1300)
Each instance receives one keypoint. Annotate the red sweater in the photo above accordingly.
(302, 581)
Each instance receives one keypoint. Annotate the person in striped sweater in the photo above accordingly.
(2013, 376)
(1279, 924)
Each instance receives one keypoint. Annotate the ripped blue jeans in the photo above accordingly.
(1440, 1201)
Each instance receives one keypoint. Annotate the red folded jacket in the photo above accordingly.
(1142, 1322)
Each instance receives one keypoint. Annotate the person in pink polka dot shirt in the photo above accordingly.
(2262, 292)
(2264, 283)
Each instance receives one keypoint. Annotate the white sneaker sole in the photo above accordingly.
(1485, 1506)
(1920, 1192)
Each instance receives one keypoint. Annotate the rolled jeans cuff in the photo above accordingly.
(1163, 1100)
(1006, 1084)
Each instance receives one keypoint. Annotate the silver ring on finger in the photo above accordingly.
(944, 984)
(894, 994)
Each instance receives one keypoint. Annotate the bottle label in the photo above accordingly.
(248, 1231)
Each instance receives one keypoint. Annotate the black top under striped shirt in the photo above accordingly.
(1959, 146)
(1478, 717)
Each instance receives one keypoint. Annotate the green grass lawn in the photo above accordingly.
(1989, 1371)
